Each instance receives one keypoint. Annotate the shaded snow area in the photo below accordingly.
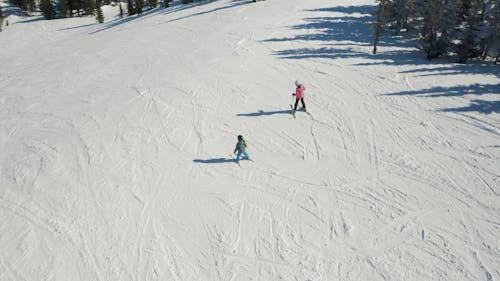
(116, 148)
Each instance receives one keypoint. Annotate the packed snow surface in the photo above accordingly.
(116, 148)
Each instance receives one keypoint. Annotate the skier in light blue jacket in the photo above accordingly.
(241, 148)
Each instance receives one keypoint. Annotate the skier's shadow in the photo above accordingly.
(214, 160)
(262, 113)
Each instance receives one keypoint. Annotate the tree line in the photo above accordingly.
(1, 17)
(52, 9)
(465, 29)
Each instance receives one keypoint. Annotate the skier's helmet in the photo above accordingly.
(297, 83)
(240, 137)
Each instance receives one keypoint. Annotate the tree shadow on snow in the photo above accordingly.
(482, 106)
(265, 113)
(214, 160)
(174, 8)
(455, 68)
(478, 105)
(120, 21)
(32, 19)
(348, 33)
(231, 5)
(339, 28)
(76, 27)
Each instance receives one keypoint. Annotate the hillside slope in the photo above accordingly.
(116, 145)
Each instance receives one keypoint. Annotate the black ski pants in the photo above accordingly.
(297, 103)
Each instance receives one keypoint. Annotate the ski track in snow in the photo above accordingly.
(115, 141)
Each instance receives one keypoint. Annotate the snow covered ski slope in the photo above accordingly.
(114, 143)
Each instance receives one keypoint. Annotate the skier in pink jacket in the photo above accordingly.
(299, 95)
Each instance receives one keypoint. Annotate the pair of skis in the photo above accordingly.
(293, 112)
(237, 162)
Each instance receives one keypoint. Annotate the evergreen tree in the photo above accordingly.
(379, 24)
(71, 6)
(15, 2)
(439, 19)
(91, 6)
(139, 6)
(496, 33)
(99, 14)
(493, 37)
(400, 12)
(48, 9)
(470, 17)
(130, 8)
(30, 6)
(490, 30)
(77, 6)
(152, 3)
(1, 18)
(121, 8)
(63, 8)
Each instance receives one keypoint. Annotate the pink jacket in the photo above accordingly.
(299, 93)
